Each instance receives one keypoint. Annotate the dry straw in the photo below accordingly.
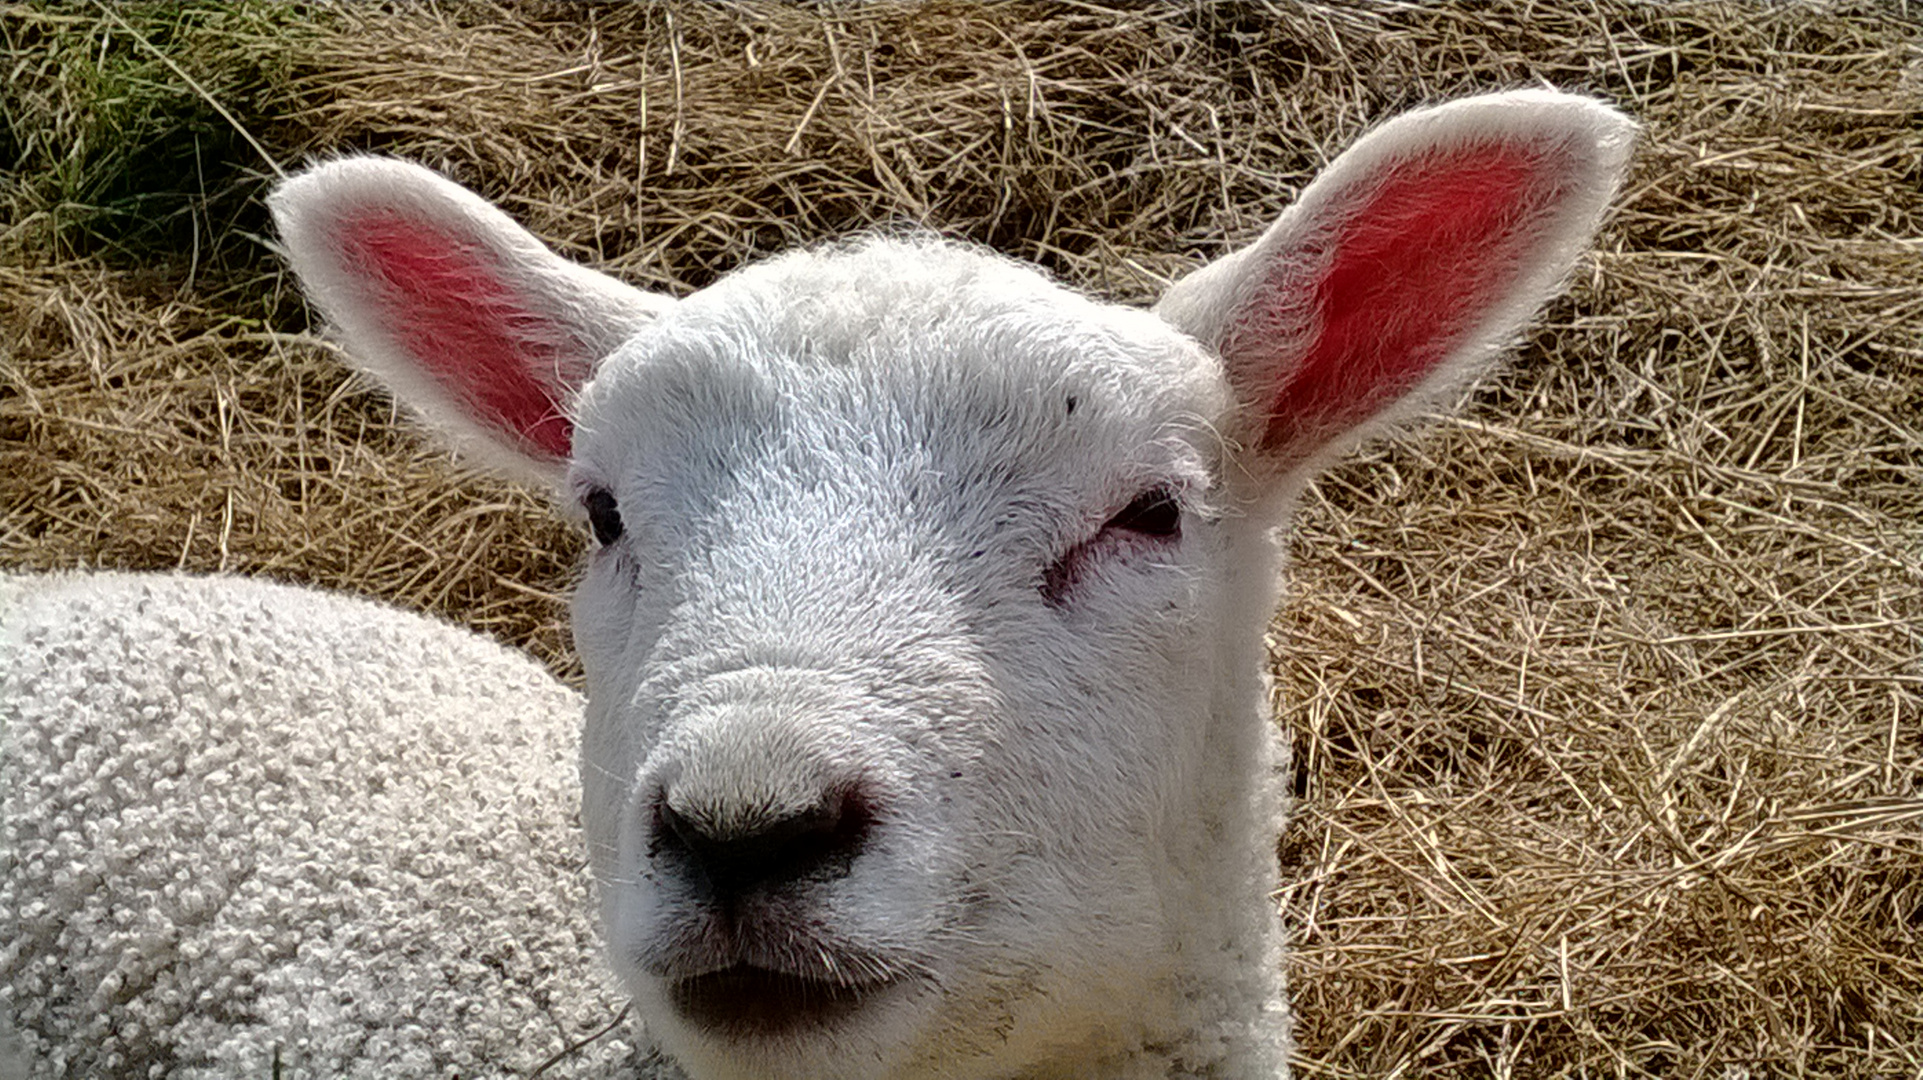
(1605, 699)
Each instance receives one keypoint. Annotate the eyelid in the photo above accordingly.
(1116, 534)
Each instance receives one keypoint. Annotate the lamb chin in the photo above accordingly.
(745, 1003)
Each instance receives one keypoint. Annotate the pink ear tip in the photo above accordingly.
(463, 314)
(1421, 247)
(1413, 269)
(451, 307)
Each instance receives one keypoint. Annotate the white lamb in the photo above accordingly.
(926, 729)
(250, 830)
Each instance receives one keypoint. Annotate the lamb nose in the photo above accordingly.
(738, 853)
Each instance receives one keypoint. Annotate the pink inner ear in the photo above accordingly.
(1436, 245)
(446, 305)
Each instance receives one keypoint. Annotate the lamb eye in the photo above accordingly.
(1153, 513)
(603, 516)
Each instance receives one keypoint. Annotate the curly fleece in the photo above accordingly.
(251, 830)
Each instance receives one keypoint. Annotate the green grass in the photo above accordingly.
(130, 131)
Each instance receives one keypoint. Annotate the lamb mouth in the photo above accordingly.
(750, 1002)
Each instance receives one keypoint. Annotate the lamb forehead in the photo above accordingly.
(929, 314)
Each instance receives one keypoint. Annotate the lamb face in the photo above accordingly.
(899, 662)
(926, 729)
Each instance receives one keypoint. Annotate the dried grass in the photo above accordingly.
(1605, 698)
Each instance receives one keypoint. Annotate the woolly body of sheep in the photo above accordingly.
(247, 825)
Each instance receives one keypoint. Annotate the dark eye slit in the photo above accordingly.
(604, 516)
(1153, 513)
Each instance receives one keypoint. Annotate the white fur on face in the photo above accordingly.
(843, 478)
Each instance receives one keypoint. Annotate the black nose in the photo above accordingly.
(737, 853)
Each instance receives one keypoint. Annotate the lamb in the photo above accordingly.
(253, 830)
(925, 729)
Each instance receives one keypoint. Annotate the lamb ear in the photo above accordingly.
(464, 315)
(1402, 269)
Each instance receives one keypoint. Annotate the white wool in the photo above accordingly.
(244, 823)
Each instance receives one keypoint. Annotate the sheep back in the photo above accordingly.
(249, 829)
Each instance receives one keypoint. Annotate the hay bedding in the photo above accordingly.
(1604, 697)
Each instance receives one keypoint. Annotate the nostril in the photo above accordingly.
(681, 832)
(735, 850)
